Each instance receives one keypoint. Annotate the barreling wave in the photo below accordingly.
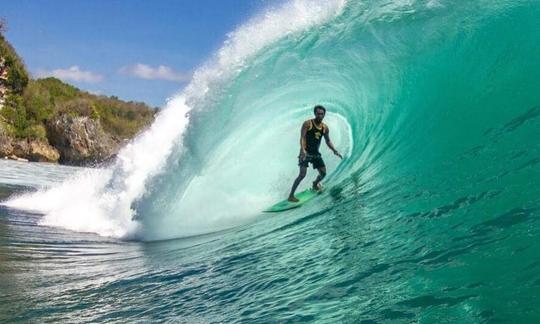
(432, 102)
(105, 201)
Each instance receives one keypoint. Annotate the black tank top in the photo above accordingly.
(313, 138)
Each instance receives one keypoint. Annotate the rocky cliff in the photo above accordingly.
(47, 120)
(26, 149)
(80, 140)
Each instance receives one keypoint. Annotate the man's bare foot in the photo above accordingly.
(317, 187)
(293, 199)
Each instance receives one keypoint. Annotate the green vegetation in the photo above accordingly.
(120, 118)
(17, 78)
(30, 104)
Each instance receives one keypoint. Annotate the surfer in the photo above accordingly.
(310, 139)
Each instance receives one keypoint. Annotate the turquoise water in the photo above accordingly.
(431, 217)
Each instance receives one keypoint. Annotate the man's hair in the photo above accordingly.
(319, 107)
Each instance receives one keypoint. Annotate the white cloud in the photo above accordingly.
(73, 73)
(95, 92)
(161, 72)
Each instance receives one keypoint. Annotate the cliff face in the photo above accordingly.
(80, 140)
(48, 120)
(70, 140)
(32, 150)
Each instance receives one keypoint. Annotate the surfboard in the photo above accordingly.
(284, 205)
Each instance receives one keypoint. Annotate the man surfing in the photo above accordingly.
(310, 140)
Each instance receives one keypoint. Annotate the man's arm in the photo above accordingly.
(329, 142)
(303, 144)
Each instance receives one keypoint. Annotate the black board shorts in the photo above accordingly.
(315, 159)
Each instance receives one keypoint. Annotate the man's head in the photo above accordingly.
(319, 112)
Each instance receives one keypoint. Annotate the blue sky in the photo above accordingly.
(136, 50)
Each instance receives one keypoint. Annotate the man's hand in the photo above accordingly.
(329, 143)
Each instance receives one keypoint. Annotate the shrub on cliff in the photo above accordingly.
(78, 107)
(27, 114)
(17, 77)
(58, 90)
(121, 119)
(38, 102)
(19, 124)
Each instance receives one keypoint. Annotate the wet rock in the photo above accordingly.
(42, 152)
(35, 151)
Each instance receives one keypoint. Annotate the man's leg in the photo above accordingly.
(297, 181)
(322, 174)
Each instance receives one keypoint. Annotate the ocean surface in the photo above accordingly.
(431, 217)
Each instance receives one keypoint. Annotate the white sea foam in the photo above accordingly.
(100, 200)
(262, 30)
